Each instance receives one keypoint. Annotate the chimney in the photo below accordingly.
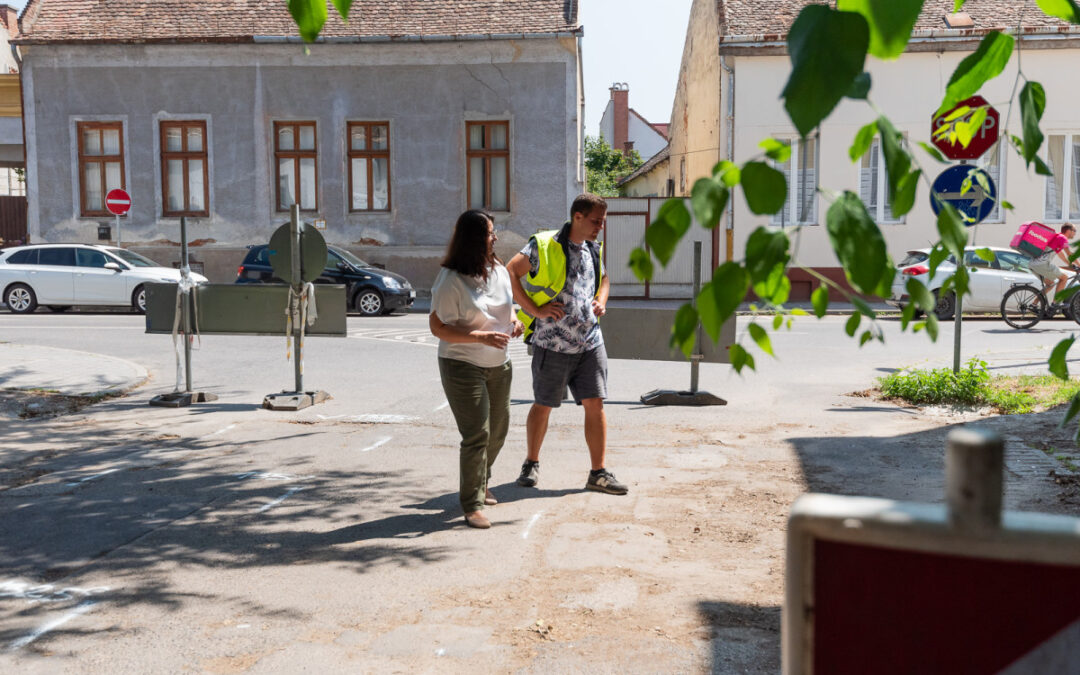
(620, 95)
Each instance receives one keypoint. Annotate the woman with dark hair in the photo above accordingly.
(472, 315)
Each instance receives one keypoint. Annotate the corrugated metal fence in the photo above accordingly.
(627, 219)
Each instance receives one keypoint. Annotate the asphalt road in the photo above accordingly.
(227, 538)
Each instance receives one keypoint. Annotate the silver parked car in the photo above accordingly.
(62, 275)
(988, 280)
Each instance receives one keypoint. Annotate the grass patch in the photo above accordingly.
(974, 386)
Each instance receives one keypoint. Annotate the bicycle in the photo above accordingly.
(1024, 305)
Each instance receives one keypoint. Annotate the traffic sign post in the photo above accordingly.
(118, 202)
(982, 140)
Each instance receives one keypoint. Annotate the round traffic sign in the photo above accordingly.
(118, 201)
(312, 254)
(981, 141)
(975, 203)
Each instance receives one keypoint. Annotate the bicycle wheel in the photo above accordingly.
(1023, 306)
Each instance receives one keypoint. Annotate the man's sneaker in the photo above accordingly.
(530, 474)
(603, 480)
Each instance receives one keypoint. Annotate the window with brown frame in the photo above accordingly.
(369, 166)
(101, 164)
(296, 155)
(185, 190)
(488, 165)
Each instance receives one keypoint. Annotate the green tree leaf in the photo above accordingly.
(986, 254)
(1058, 366)
(764, 187)
(828, 52)
(767, 256)
(1032, 105)
(968, 127)
(1041, 168)
(662, 240)
(863, 140)
(867, 336)
(860, 246)
(343, 7)
(860, 88)
(920, 295)
(953, 233)
(932, 328)
(720, 298)
(863, 308)
(761, 337)
(988, 61)
(674, 213)
(776, 150)
(1062, 9)
(852, 324)
(1072, 412)
(740, 358)
(641, 263)
(728, 173)
(820, 300)
(934, 152)
(905, 195)
(890, 23)
(709, 199)
(682, 331)
(309, 15)
(897, 160)
(957, 4)
(777, 321)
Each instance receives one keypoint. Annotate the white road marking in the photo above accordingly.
(288, 493)
(381, 441)
(219, 431)
(372, 419)
(444, 404)
(90, 478)
(262, 475)
(536, 517)
(51, 625)
(21, 590)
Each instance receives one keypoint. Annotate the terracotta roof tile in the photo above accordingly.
(771, 19)
(241, 20)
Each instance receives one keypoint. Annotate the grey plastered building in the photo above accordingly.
(386, 128)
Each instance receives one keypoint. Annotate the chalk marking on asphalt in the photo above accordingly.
(381, 441)
(262, 475)
(440, 652)
(443, 405)
(536, 517)
(87, 479)
(373, 419)
(288, 493)
(219, 431)
(51, 625)
(21, 590)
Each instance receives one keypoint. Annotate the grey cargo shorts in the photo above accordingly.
(585, 374)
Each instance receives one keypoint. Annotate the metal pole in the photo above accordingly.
(974, 479)
(186, 310)
(118, 231)
(958, 316)
(295, 228)
(695, 358)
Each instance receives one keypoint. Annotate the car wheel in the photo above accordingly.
(369, 302)
(59, 308)
(138, 300)
(945, 306)
(20, 299)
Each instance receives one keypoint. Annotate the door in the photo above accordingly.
(54, 279)
(985, 283)
(1014, 270)
(95, 285)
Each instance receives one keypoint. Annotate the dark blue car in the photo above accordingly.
(370, 290)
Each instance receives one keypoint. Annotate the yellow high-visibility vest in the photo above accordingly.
(550, 277)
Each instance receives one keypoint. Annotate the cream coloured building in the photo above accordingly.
(735, 66)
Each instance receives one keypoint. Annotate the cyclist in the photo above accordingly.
(1045, 266)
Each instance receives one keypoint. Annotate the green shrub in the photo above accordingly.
(940, 385)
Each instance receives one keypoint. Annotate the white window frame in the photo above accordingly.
(1070, 141)
(881, 210)
(997, 215)
(789, 215)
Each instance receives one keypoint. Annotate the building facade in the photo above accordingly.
(383, 131)
(625, 129)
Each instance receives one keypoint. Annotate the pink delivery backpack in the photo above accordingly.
(1032, 239)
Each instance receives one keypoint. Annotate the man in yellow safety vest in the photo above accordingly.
(559, 282)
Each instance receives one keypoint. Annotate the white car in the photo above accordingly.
(62, 275)
(988, 280)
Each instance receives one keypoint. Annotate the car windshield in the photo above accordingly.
(132, 258)
(349, 257)
(914, 258)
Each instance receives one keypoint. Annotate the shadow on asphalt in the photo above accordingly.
(743, 638)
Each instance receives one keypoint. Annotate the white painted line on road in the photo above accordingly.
(372, 419)
(381, 441)
(21, 590)
(288, 493)
(262, 475)
(536, 517)
(51, 625)
(440, 407)
(219, 431)
(90, 478)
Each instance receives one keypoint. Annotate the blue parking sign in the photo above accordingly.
(975, 204)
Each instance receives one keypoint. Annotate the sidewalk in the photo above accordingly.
(65, 371)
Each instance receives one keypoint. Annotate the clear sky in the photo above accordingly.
(639, 42)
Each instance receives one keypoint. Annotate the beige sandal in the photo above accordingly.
(478, 520)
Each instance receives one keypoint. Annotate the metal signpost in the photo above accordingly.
(118, 202)
(977, 202)
(178, 399)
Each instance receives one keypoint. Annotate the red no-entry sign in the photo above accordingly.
(983, 139)
(118, 202)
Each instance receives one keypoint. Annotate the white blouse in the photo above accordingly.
(470, 303)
